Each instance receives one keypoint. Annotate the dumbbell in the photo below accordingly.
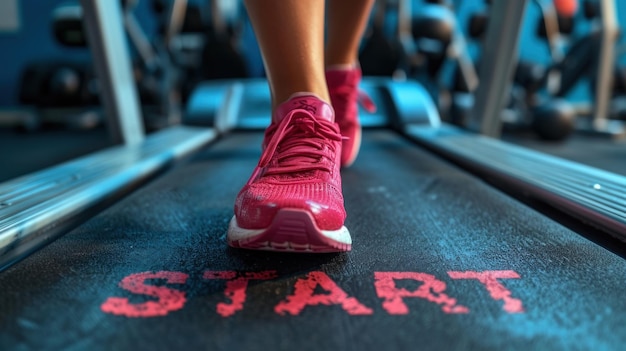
(477, 25)
(65, 83)
(433, 30)
(381, 54)
(551, 118)
(67, 25)
(591, 9)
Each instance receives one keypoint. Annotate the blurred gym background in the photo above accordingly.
(49, 109)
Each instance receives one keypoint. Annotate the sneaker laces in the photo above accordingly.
(298, 144)
(366, 101)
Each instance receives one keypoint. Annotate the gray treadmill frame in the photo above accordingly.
(24, 231)
(496, 68)
(112, 63)
(599, 122)
(37, 208)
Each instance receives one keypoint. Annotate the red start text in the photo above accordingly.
(306, 292)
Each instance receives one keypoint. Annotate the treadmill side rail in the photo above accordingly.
(35, 209)
(590, 194)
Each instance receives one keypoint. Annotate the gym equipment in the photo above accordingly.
(57, 84)
(159, 83)
(599, 123)
(440, 42)
(222, 57)
(433, 29)
(587, 57)
(550, 117)
(554, 120)
(568, 66)
(191, 275)
(591, 9)
(567, 8)
(226, 105)
(67, 26)
(153, 271)
(563, 22)
(159, 256)
(381, 54)
(157, 75)
(499, 53)
(477, 25)
(61, 93)
(536, 89)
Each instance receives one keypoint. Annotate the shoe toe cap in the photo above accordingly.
(256, 206)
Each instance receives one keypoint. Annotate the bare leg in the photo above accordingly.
(347, 20)
(293, 199)
(291, 37)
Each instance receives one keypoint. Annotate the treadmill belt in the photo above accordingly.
(440, 260)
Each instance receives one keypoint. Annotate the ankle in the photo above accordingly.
(308, 101)
(281, 99)
(303, 93)
(342, 67)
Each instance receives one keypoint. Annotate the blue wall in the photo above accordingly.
(34, 42)
(31, 43)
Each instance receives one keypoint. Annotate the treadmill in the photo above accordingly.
(461, 241)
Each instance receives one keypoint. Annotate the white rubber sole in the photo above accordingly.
(292, 230)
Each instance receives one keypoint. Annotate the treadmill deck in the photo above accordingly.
(440, 260)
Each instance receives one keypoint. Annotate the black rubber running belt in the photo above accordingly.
(440, 261)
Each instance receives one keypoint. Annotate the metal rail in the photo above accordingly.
(590, 194)
(35, 209)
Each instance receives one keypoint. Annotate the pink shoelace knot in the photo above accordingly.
(299, 143)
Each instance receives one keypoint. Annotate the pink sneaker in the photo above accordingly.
(293, 200)
(343, 86)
